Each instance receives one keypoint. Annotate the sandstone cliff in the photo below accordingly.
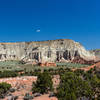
(44, 51)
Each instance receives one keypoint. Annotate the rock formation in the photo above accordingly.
(96, 52)
(63, 50)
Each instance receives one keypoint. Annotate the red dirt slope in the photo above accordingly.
(97, 65)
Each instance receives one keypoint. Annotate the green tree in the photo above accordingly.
(44, 83)
(73, 87)
(4, 87)
(95, 85)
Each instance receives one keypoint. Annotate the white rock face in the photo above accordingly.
(45, 51)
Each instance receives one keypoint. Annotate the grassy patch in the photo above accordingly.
(10, 65)
(16, 66)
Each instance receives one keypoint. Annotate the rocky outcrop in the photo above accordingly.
(83, 61)
(96, 52)
(62, 50)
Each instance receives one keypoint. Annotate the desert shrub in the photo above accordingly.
(4, 87)
(8, 74)
(73, 87)
(12, 90)
(28, 97)
(44, 83)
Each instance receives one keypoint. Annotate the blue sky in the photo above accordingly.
(33, 20)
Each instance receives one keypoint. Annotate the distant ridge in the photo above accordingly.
(60, 50)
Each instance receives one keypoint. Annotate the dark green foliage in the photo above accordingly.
(92, 77)
(4, 87)
(79, 72)
(8, 74)
(72, 87)
(43, 84)
(95, 85)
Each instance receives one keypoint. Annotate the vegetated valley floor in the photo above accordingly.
(17, 66)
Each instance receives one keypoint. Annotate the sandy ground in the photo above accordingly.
(45, 97)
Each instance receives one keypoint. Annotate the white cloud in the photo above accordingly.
(38, 30)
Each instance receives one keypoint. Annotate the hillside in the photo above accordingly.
(62, 50)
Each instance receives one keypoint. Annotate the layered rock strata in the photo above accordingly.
(62, 50)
